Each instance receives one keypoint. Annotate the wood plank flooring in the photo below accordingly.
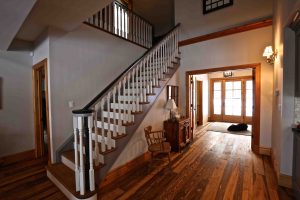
(27, 180)
(215, 166)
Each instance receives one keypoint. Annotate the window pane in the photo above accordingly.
(228, 94)
(228, 85)
(249, 112)
(237, 85)
(217, 85)
(217, 94)
(249, 85)
(249, 94)
(217, 106)
(237, 94)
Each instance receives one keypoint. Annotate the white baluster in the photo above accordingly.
(81, 165)
(91, 170)
(114, 113)
(119, 104)
(124, 102)
(108, 123)
(77, 178)
(103, 146)
(133, 88)
(137, 89)
(96, 151)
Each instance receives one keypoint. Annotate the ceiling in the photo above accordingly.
(65, 15)
(12, 16)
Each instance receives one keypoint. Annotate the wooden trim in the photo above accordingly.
(14, 158)
(282, 179)
(124, 169)
(256, 114)
(226, 32)
(285, 181)
(265, 151)
(38, 147)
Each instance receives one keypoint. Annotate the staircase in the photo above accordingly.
(105, 125)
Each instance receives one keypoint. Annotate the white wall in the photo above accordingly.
(194, 23)
(16, 116)
(155, 117)
(237, 49)
(82, 63)
(283, 105)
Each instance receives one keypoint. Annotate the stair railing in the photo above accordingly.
(113, 108)
(119, 20)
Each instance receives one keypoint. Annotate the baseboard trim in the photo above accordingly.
(18, 157)
(282, 179)
(265, 151)
(285, 181)
(124, 169)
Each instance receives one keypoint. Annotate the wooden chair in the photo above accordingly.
(157, 143)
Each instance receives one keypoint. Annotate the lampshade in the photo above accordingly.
(171, 104)
(268, 51)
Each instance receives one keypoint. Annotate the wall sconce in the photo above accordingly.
(268, 52)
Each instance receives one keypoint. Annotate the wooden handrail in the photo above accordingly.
(106, 89)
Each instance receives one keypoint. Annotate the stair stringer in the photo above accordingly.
(121, 143)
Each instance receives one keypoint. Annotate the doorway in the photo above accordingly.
(236, 104)
(41, 110)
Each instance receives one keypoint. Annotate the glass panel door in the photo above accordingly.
(217, 95)
(249, 98)
(233, 98)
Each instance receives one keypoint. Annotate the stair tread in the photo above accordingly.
(66, 177)
(70, 155)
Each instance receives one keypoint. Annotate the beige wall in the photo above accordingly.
(16, 115)
(283, 105)
(237, 49)
(194, 23)
(155, 117)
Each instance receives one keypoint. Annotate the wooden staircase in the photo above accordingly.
(104, 127)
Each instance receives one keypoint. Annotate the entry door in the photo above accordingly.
(232, 100)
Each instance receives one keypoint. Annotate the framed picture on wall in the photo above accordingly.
(213, 5)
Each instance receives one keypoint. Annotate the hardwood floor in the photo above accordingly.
(27, 180)
(215, 166)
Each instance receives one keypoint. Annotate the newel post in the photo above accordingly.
(83, 124)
